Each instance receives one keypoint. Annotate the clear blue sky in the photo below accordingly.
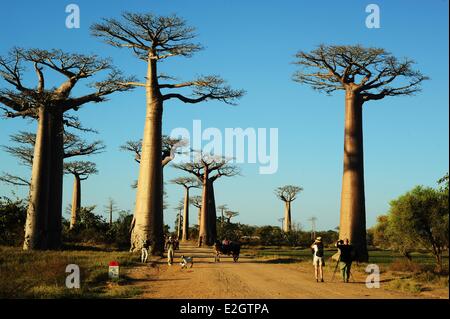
(252, 44)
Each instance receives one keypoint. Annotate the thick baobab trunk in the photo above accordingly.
(179, 225)
(287, 217)
(56, 129)
(212, 216)
(148, 211)
(204, 218)
(353, 212)
(76, 201)
(186, 216)
(36, 222)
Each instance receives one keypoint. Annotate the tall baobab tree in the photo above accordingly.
(154, 39)
(207, 169)
(196, 201)
(365, 74)
(187, 183)
(170, 148)
(81, 170)
(287, 194)
(48, 105)
(230, 214)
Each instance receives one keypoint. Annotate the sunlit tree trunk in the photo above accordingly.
(185, 236)
(287, 217)
(76, 201)
(204, 218)
(36, 222)
(148, 211)
(353, 213)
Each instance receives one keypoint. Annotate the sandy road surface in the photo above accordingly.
(248, 278)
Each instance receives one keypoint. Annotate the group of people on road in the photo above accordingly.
(344, 256)
(171, 244)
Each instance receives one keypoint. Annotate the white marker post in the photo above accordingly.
(113, 272)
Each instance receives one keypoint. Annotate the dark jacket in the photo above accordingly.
(346, 253)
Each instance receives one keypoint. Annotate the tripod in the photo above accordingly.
(335, 269)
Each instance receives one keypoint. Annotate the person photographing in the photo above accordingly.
(318, 258)
(345, 258)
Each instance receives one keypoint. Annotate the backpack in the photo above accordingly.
(319, 252)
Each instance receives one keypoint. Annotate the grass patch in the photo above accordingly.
(405, 285)
(41, 274)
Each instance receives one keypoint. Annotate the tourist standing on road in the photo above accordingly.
(318, 259)
(170, 247)
(345, 258)
(146, 245)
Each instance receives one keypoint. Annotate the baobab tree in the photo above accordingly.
(222, 209)
(187, 183)
(196, 201)
(179, 218)
(170, 148)
(154, 39)
(287, 194)
(81, 170)
(365, 74)
(24, 150)
(48, 105)
(110, 209)
(207, 169)
(230, 214)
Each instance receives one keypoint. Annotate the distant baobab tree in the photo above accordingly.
(207, 169)
(230, 214)
(287, 194)
(154, 39)
(222, 209)
(365, 74)
(313, 220)
(196, 201)
(187, 183)
(48, 103)
(81, 170)
(281, 220)
(179, 219)
(110, 208)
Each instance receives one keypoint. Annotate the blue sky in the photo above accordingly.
(252, 44)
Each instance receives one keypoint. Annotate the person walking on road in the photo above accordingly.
(170, 245)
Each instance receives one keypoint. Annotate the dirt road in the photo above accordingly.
(248, 278)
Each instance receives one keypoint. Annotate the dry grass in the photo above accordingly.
(41, 274)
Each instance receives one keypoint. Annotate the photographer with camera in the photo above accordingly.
(318, 258)
(345, 258)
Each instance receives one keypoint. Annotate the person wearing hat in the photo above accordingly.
(318, 258)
